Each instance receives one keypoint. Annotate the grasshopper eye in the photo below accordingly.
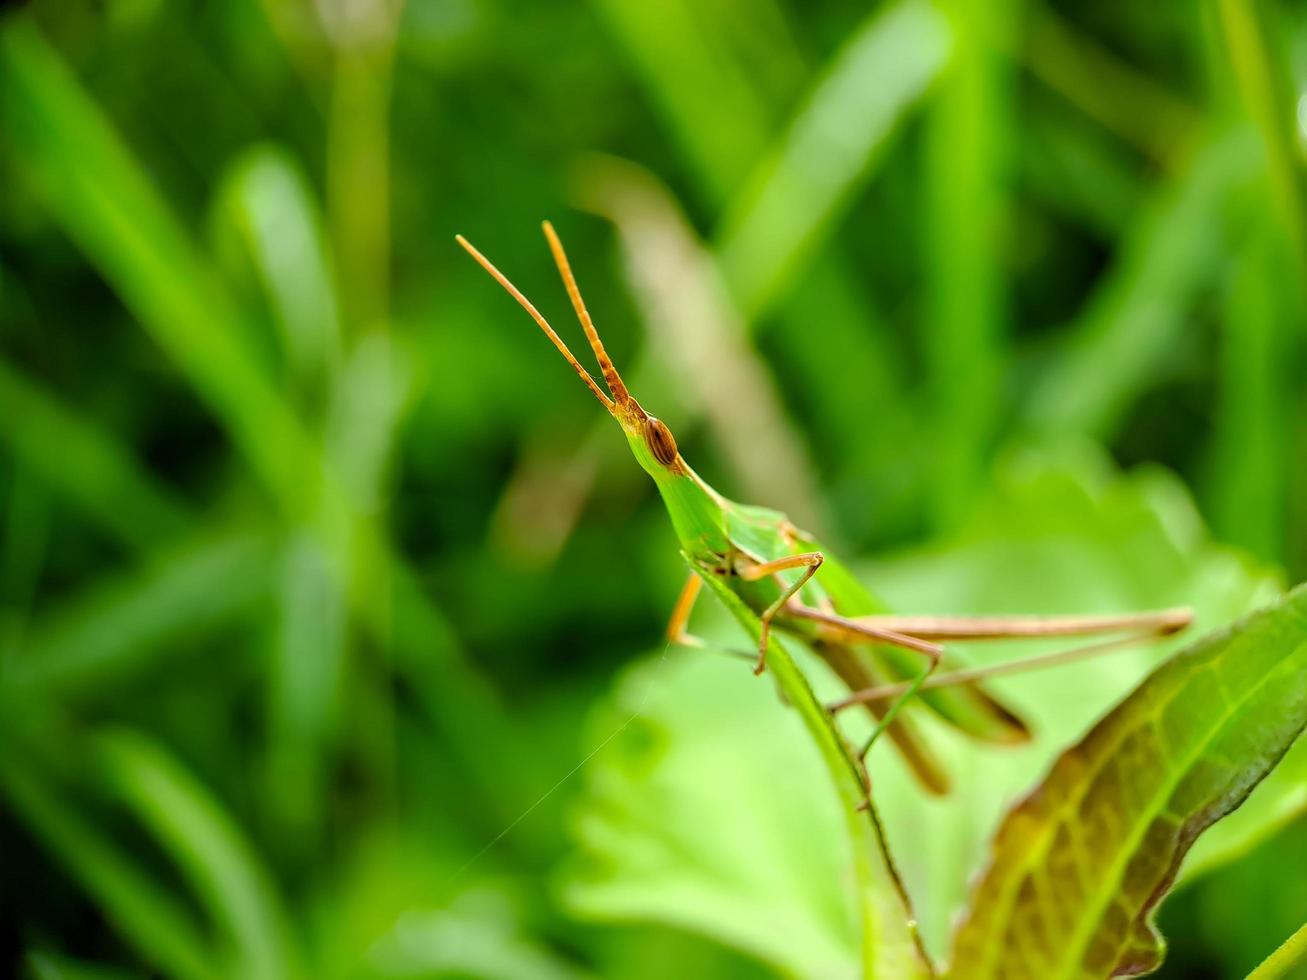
(660, 441)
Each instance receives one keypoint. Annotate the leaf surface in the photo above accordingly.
(1064, 534)
(1080, 865)
(710, 811)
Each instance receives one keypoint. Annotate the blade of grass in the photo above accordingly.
(966, 329)
(307, 674)
(1291, 953)
(1129, 325)
(103, 198)
(139, 909)
(679, 60)
(361, 424)
(1107, 89)
(86, 464)
(269, 198)
(1268, 98)
(68, 151)
(1264, 95)
(24, 541)
(50, 966)
(122, 627)
(784, 215)
(209, 848)
(827, 152)
(1071, 169)
(1249, 475)
(358, 157)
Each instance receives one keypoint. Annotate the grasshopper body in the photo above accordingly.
(787, 581)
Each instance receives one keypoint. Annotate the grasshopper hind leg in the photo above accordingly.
(1134, 628)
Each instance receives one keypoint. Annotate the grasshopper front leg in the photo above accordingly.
(678, 623)
(752, 571)
(676, 626)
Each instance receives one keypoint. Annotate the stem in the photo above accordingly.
(1292, 952)
(891, 947)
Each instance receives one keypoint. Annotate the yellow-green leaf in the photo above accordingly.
(1079, 866)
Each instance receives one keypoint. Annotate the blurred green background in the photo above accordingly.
(319, 569)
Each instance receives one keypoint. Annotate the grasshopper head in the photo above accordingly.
(651, 441)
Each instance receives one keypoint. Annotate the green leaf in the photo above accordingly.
(708, 811)
(1280, 800)
(476, 936)
(1080, 865)
(1059, 534)
(680, 824)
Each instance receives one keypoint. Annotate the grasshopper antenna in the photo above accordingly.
(611, 377)
(538, 317)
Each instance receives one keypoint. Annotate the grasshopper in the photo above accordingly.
(792, 584)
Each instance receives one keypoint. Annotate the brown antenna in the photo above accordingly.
(513, 291)
(613, 379)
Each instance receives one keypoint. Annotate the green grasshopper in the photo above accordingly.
(789, 581)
